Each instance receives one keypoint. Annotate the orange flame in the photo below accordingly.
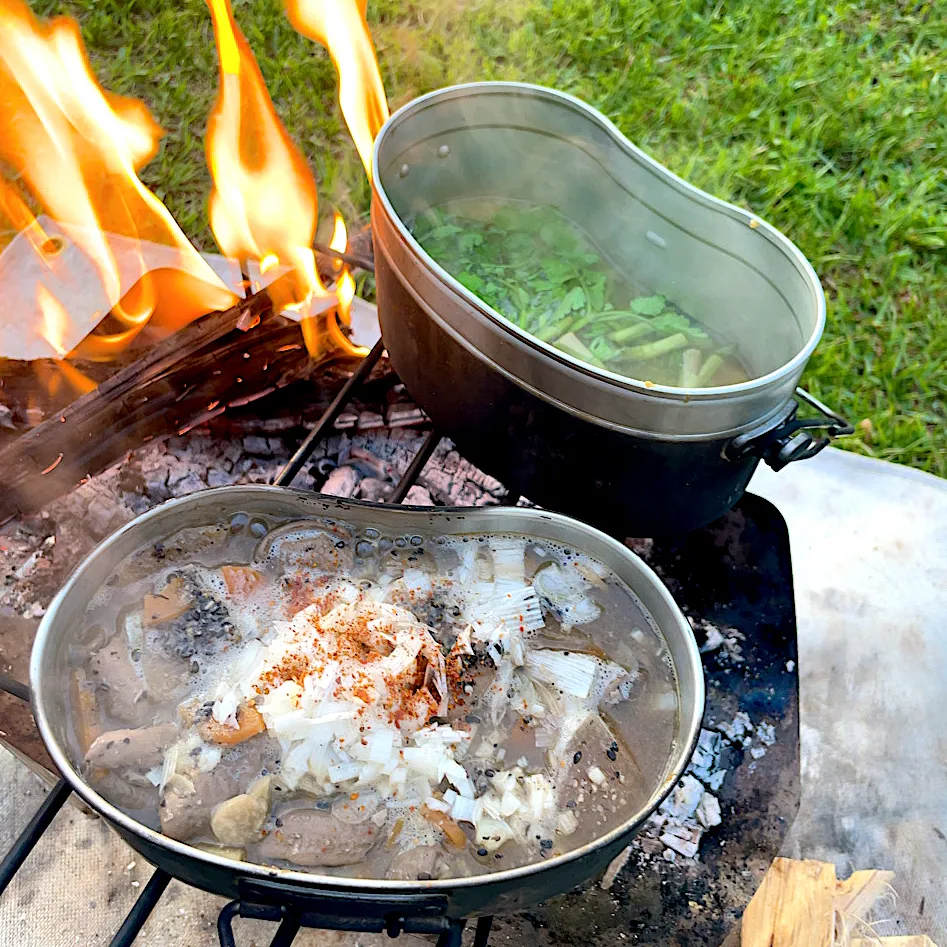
(341, 27)
(345, 284)
(54, 328)
(264, 203)
(264, 199)
(77, 149)
(55, 319)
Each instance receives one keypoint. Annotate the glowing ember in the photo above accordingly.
(77, 149)
(341, 27)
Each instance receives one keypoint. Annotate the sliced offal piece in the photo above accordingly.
(128, 789)
(239, 821)
(187, 804)
(415, 864)
(316, 838)
(119, 688)
(141, 748)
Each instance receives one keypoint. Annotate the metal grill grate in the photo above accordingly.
(291, 917)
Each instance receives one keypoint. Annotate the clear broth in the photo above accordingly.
(542, 272)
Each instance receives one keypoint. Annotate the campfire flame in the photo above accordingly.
(76, 150)
(72, 151)
(55, 326)
(345, 284)
(341, 27)
(264, 205)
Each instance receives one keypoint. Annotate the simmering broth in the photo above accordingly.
(310, 695)
(543, 273)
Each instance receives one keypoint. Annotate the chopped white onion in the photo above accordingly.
(509, 561)
(566, 822)
(343, 771)
(493, 833)
(565, 591)
(571, 671)
(464, 809)
(597, 776)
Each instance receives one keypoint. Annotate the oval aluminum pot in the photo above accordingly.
(636, 456)
(502, 891)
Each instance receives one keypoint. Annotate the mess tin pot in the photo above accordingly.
(620, 453)
(501, 891)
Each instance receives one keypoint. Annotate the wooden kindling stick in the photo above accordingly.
(803, 904)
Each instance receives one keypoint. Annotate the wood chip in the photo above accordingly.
(801, 904)
(614, 869)
(793, 907)
(857, 893)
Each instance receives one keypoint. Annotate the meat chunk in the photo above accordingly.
(185, 810)
(315, 837)
(141, 748)
(415, 864)
(130, 790)
(117, 684)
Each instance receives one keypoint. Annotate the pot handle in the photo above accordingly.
(787, 438)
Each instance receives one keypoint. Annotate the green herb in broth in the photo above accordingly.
(539, 271)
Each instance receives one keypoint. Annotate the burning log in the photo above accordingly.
(221, 361)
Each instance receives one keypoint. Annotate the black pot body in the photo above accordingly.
(503, 896)
(623, 483)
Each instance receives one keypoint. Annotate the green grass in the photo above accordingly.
(827, 119)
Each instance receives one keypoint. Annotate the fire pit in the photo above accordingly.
(180, 356)
(734, 581)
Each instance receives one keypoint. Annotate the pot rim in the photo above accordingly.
(668, 392)
(49, 634)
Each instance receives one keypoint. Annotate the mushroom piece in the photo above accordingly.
(239, 821)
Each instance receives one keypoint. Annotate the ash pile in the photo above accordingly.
(372, 445)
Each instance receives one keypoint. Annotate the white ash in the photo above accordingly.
(766, 733)
(725, 641)
(674, 832)
(737, 731)
(37, 553)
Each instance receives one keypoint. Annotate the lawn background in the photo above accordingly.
(827, 119)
